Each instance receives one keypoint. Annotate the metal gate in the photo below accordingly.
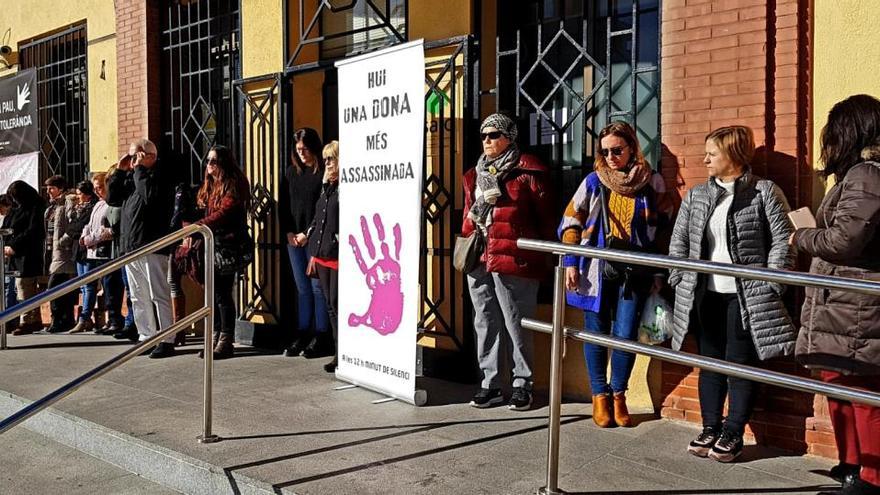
(201, 52)
(62, 95)
(452, 109)
(568, 67)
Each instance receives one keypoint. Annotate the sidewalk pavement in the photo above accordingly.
(286, 430)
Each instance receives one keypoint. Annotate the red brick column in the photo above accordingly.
(138, 70)
(742, 62)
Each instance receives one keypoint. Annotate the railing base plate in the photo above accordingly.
(209, 439)
(546, 491)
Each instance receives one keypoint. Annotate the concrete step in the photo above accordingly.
(156, 466)
(286, 429)
(34, 464)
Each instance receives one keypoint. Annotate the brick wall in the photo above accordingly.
(742, 62)
(138, 70)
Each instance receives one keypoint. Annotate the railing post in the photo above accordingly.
(3, 233)
(207, 436)
(557, 340)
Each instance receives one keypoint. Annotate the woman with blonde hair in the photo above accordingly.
(614, 207)
(734, 217)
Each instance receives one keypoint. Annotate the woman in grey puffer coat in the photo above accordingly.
(735, 217)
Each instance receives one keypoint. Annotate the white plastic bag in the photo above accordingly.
(656, 323)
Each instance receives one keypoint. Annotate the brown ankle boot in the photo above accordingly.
(224, 348)
(621, 413)
(214, 343)
(178, 311)
(602, 414)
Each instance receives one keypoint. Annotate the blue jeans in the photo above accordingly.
(624, 307)
(129, 317)
(89, 291)
(9, 292)
(310, 303)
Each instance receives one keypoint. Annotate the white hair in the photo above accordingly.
(146, 145)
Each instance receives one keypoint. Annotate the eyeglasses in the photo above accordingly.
(616, 151)
(491, 135)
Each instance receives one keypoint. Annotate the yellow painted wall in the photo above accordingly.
(433, 20)
(262, 33)
(31, 19)
(846, 46)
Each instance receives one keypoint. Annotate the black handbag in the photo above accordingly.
(615, 270)
(467, 252)
(234, 254)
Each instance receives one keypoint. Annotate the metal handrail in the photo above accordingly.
(205, 312)
(559, 332)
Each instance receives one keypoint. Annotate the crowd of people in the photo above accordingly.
(734, 217)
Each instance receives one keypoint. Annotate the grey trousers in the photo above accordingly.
(500, 303)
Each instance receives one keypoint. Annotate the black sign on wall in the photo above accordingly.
(19, 129)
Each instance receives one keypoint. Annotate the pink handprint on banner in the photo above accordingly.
(383, 279)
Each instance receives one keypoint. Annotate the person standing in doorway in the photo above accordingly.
(506, 196)
(300, 190)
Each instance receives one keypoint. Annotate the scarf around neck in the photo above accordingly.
(625, 183)
(490, 173)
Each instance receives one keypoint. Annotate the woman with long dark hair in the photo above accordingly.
(840, 332)
(24, 247)
(301, 188)
(224, 195)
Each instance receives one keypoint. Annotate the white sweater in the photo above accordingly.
(717, 237)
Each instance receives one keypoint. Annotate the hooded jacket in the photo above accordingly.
(840, 330)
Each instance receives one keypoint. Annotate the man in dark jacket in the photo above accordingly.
(143, 188)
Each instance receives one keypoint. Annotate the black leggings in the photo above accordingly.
(722, 336)
(224, 304)
(329, 279)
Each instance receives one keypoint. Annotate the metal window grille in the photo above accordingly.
(62, 96)
(201, 58)
(568, 67)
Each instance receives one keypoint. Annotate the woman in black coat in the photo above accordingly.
(24, 248)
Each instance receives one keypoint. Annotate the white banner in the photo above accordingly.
(20, 167)
(381, 144)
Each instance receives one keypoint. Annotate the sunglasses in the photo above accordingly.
(491, 135)
(616, 151)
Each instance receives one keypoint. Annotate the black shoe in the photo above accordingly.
(858, 487)
(297, 346)
(129, 332)
(331, 366)
(487, 397)
(109, 329)
(163, 350)
(845, 474)
(520, 399)
(728, 447)
(704, 442)
(320, 346)
(53, 328)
